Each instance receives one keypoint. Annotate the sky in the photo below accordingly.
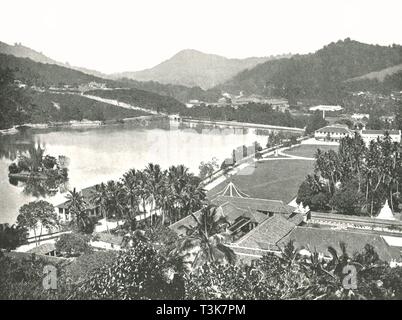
(128, 35)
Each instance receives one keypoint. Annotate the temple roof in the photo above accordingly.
(264, 205)
(232, 191)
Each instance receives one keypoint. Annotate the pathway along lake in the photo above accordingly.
(104, 153)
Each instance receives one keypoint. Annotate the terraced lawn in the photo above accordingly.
(308, 151)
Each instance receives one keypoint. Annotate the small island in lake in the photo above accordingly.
(34, 164)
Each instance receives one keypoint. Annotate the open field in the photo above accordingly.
(276, 179)
(308, 151)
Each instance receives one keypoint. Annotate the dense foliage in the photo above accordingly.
(142, 272)
(14, 105)
(43, 74)
(73, 244)
(12, 236)
(252, 113)
(54, 107)
(355, 180)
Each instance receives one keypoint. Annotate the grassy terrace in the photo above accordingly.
(308, 151)
(276, 179)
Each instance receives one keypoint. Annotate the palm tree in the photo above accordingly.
(207, 238)
(154, 183)
(129, 182)
(99, 198)
(77, 206)
(115, 196)
(33, 158)
(142, 191)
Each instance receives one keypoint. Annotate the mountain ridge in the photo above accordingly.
(20, 51)
(193, 68)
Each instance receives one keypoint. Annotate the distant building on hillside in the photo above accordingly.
(387, 119)
(360, 116)
(277, 104)
(325, 108)
(332, 133)
(369, 135)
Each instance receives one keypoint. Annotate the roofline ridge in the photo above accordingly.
(253, 230)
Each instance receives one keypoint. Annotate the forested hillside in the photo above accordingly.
(64, 107)
(320, 75)
(43, 74)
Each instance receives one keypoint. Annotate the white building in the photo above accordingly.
(360, 116)
(369, 135)
(325, 108)
(332, 133)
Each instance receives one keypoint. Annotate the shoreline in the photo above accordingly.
(74, 124)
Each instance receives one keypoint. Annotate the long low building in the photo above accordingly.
(332, 133)
(370, 135)
(337, 132)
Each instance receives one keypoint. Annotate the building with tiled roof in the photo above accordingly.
(267, 234)
(319, 239)
(332, 133)
(242, 213)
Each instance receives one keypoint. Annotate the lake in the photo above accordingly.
(104, 153)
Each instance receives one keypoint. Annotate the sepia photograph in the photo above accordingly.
(200, 155)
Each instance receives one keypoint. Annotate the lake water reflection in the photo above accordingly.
(104, 153)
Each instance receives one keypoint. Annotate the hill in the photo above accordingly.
(44, 74)
(379, 75)
(320, 75)
(21, 51)
(193, 68)
(18, 105)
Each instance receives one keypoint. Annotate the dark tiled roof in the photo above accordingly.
(231, 212)
(320, 239)
(275, 206)
(268, 233)
(180, 226)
